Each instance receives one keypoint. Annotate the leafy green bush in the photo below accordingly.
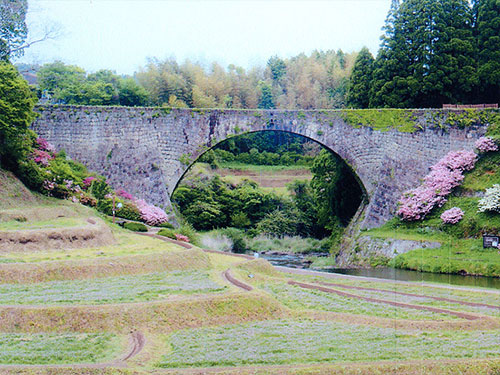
(170, 233)
(237, 237)
(136, 227)
(188, 231)
(166, 225)
(31, 174)
(99, 189)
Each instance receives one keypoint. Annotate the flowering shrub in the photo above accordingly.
(491, 200)
(122, 193)
(49, 185)
(87, 181)
(452, 216)
(87, 200)
(444, 176)
(42, 157)
(180, 237)
(151, 214)
(44, 145)
(486, 144)
(461, 160)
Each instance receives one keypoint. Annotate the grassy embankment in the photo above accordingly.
(461, 250)
(79, 305)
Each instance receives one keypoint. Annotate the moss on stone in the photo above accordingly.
(402, 120)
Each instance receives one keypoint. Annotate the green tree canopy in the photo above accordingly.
(487, 28)
(358, 94)
(266, 100)
(70, 84)
(16, 114)
(427, 55)
(13, 30)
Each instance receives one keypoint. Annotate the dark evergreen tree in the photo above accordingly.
(266, 96)
(427, 55)
(277, 67)
(487, 29)
(360, 80)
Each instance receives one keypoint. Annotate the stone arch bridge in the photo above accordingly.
(146, 151)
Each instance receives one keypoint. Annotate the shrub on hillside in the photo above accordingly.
(170, 233)
(486, 144)
(151, 214)
(181, 237)
(188, 231)
(452, 216)
(491, 200)
(237, 238)
(166, 225)
(124, 194)
(31, 174)
(136, 227)
(99, 188)
(445, 175)
(128, 210)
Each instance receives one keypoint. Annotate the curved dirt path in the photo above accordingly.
(240, 284)
(137, 342)
(392, 303)
(465, 303)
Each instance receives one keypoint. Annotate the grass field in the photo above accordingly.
(127, 243)
(130, 288)
(54, 223)
(291, 342)
(303, 299)
(91, 305)
(28, 349)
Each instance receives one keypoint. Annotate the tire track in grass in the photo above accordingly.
(240, 284)
(474, 304)
(137, 342)
(461, 315)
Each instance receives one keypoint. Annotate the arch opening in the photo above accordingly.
(270, 183)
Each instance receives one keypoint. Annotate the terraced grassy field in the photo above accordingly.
(143, 305)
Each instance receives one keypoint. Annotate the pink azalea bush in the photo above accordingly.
(151, 214)
(452, 216)
(87, 181)
(124, 194)
(486, 144)
(44, 145)
(42, 157)
(444, 176)
(181, 237)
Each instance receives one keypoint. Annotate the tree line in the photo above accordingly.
(306, 82)
(433, 52)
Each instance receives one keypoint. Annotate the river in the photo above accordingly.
(298, 261)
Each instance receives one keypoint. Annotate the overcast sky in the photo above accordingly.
(121, 34)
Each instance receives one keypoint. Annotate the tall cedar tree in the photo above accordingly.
(487, 29)
(427, 55)
(358, 94)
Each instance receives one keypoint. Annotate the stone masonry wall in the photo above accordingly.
(146, 151)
